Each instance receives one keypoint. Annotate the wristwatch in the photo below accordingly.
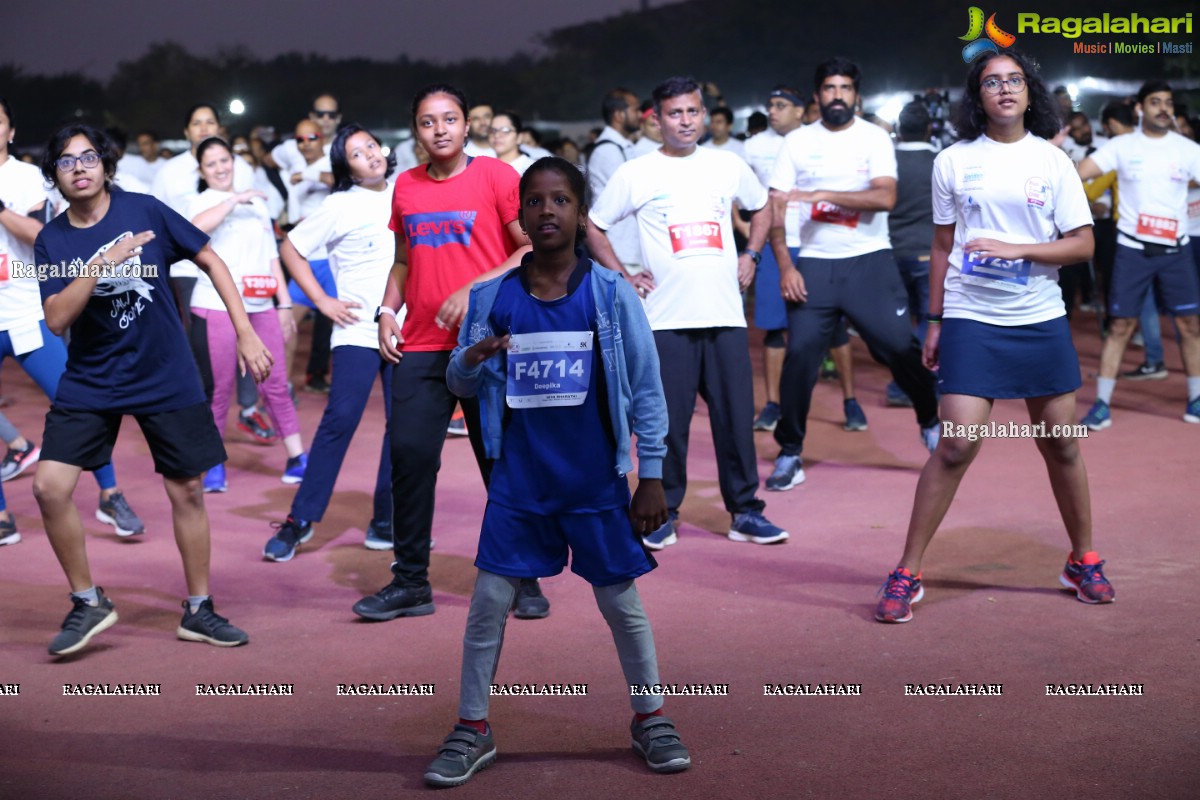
(755, 256)
(379, 312)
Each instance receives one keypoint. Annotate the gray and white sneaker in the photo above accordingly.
(656, 740)
(115, 511)
(207, 626)
(789, 472)
(463, 753)
(379, 536)
(82, 623)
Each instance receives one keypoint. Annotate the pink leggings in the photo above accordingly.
(220, 341)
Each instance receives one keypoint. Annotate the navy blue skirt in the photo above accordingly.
(1007, 361)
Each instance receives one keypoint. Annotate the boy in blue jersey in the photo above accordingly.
(563, 361)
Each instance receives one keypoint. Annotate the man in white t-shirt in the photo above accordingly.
(479, 122)
(286, 156)
(650, 138)
(682, 197)
(785, 113)
(1153, 166)
(613, 148)
(720, 125)
(842, 171)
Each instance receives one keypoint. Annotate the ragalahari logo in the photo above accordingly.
(976, 28)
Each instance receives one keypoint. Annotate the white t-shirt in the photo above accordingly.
(305, 196)
(522, 163)
(814, 157)
(353, 227)
(1194, 211)
(21, 191)
(472, 149)
(1153, 175)
(288, 158)
(761, 150)
(245, 241)
(732, 145)
(643, 146)
(1026, 192)
(178, 182)
(1078, 152)
(604, 160)
(683, 215)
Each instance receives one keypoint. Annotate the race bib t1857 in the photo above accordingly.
(549, 369)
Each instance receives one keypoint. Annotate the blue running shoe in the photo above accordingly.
(752, 526)
(664, 536)
(1192, 412)
(789, 472)
(214, 480)
(289, 534)
(768, 418)
(294, 471)
(1099, 417)
(856, 419)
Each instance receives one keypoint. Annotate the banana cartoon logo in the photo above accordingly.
(976, 27)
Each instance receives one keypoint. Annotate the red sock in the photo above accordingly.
(1090, 557)
(644, 717)
(480, 725)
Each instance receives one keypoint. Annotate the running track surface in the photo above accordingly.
(723, 613)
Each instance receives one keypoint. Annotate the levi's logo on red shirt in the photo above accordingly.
(437, 228)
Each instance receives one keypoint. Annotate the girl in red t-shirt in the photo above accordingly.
(455, 221)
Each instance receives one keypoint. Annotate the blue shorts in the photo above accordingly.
(324, 276)
(1134, 273)
(605, 551)
(769, 311)
(1007, 361)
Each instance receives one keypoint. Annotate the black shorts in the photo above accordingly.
(184, 443)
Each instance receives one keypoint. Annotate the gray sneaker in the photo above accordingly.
(379, 536)
(115, 511)
(207, 626)
(82, 624)
(463, 753)
(656, 740)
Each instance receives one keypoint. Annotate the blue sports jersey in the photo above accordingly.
(558, 447)
(128, 352)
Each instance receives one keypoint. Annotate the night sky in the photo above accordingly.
(69, 35)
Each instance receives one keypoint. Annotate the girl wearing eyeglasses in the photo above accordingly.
(1009, 210)
(504, 136)
(106, 262)
(23, 332)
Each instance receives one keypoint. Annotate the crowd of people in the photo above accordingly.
(569, 299)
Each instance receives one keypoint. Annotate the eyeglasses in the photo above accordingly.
(312, 137)
(500, 131)
(316, 112)
(1016, 84)
(67, 163)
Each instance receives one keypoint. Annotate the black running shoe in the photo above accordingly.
(396, 601)
(209, 627)
(82, 624)
(529, 602)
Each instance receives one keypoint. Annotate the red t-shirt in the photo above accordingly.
(455, 230)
